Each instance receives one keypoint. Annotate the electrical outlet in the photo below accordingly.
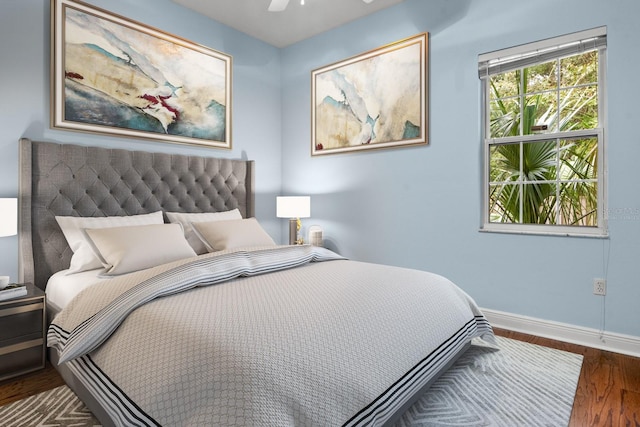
(599, 287)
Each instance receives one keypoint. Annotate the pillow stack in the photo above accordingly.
(124, 244)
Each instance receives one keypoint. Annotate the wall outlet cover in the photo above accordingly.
(599, 286)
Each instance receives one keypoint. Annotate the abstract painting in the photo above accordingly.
(115, 76)
(374, 100)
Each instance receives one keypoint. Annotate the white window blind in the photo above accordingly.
(513, 58)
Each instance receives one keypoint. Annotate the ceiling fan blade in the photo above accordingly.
(278, 5)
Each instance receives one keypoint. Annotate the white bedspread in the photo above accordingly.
(292, 335)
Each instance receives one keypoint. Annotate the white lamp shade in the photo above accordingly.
(293, 207)
(8, 217)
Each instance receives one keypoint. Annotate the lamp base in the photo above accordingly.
(293, 231)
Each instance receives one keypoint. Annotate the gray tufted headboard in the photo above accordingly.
(72, 180)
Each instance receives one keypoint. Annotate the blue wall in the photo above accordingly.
(415, 207)
(24, 49)
(420, 207)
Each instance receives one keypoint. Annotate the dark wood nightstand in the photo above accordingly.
(22, 333)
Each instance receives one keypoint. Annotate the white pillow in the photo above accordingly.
(220, 235)
(187, 218)
(73, 227)
(133, 248)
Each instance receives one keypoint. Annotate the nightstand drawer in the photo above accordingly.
(25, 357)
(22, 333)
(19, 320)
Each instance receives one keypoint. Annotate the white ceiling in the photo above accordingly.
(281, 29)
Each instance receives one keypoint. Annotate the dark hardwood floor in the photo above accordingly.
(608, 392)
(29, 384)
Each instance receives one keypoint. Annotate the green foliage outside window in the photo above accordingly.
(551, 179)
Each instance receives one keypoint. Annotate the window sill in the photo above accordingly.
(534, 230)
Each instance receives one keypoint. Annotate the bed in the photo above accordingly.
(242, 332)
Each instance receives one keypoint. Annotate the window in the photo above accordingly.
(543, 130)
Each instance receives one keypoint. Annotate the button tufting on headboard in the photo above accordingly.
(64, 179)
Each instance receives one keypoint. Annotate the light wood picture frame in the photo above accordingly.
(378, 99)
(114, 76)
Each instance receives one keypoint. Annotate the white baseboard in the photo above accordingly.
(618, 343)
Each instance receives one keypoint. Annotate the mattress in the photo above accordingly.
(63, 287)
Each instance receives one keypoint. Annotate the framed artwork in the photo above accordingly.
(111, 75)
(377, 99)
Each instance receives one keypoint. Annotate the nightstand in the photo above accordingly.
(22, 333)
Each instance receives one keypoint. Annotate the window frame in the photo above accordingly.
(528, 55)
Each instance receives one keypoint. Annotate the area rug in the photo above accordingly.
(56, 407)
(519, 385)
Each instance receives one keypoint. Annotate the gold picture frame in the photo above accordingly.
(114, 76)
(378, 99)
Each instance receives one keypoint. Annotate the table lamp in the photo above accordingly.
(294, 208)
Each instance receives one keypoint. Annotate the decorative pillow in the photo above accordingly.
(84, 257)
(220, 235)
(133, 248)
(187, 218)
